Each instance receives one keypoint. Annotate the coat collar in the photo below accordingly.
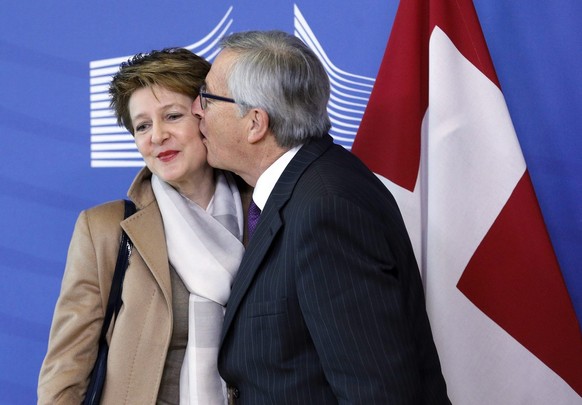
(271, 222)
(145, 228)
(140, 191)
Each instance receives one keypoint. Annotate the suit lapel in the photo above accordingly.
(270, 223)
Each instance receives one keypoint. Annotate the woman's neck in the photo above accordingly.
(201, 189)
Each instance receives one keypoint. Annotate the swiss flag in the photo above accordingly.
(438, 133)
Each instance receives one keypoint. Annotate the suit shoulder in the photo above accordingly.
(339, 166)
(340, 174)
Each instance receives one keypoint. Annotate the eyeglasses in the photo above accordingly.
(204, 96)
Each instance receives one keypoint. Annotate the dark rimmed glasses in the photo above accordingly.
(204, 96)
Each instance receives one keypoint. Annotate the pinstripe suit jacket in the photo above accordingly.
(327, 306)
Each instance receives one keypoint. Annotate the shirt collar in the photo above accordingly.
(266, 181)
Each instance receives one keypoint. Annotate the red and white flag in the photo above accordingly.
(438, 133)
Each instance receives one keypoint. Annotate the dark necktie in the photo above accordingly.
(253, 219)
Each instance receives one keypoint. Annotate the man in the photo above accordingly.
(327, 306)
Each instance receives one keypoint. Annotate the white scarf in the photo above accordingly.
(205, 248)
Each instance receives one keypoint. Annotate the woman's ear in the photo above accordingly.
(259, 125)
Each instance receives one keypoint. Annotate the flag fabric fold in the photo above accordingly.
(438, 133)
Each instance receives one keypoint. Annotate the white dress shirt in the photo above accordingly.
(266, 181)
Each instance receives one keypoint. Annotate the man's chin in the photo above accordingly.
(214, 162)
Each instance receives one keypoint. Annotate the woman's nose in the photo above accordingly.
(159, 133)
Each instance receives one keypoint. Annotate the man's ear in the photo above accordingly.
(259, 125)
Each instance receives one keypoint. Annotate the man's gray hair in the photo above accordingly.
(277, 72)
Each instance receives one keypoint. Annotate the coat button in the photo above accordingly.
(236, 392)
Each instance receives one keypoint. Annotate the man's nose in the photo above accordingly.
(197, 108)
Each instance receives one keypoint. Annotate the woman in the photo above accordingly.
(187, 236)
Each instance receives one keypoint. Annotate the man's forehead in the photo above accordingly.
(217, 74)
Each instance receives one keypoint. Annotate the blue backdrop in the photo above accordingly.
(49, 57)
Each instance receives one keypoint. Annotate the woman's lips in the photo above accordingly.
(167, 155)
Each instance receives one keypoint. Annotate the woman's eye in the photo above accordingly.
(141, 127)
(174, 116)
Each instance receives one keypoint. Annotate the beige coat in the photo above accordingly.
(142, 332)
